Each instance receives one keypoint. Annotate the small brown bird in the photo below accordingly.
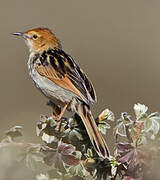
(60, 79)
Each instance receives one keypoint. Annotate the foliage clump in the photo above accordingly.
(68, 154)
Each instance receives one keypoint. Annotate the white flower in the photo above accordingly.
(140, 110)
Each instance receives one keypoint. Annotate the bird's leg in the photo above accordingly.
(57, 112)
(56, 109)
(59, 120)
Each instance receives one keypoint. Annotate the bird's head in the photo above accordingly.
(39, 39)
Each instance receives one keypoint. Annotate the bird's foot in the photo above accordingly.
(59, 121)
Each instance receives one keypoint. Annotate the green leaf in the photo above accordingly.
(142, 140)
(80, 170)
(103, 126)
(147, 124)
(89, 153)
(78, 155)
(74, 133)
(72, 170)
(45, 124)
(77, 170)
(155, 127)
(152, 124)
(155, 117)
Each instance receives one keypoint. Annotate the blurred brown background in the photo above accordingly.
(117, 43)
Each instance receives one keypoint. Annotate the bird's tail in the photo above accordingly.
(96, 138)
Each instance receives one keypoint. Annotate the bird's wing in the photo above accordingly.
(61, 68)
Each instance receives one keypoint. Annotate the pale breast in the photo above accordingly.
(49, 88)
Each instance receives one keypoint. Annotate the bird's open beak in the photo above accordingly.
(20, 34)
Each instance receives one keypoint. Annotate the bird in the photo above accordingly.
(59, 77)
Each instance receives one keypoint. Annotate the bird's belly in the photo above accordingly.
(50, 89)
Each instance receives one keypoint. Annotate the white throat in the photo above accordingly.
(29, 45)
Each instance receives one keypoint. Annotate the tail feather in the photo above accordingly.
(96, 138)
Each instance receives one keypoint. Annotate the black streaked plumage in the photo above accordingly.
(65, 65)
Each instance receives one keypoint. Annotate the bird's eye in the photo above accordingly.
(35, 36)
